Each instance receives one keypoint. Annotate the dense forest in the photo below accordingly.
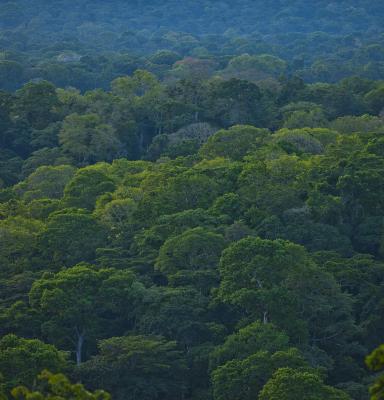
(191, 200)
(88, 43)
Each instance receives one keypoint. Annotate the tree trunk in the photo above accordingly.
(265, 317)
(79, 346)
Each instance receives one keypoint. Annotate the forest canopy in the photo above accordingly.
(86, 44)
(191, 200)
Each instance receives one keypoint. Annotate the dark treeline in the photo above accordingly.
(87, 44)
(191, 200)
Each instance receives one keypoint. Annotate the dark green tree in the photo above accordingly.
(137, 367)
(81, 304)
(22, 359)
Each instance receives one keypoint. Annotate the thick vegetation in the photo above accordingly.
(191, 215)
(88, 43)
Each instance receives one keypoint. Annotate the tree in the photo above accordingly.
(234, 142)
(19, 244)
(11, 73)
(253, 271)
(277, 281)
(81, 304)
(255, 68)
(137, 367)
(119, 216)
(362, 124)
(46, 182)
(360, 276)
(375, 362)
(191, 257)
(18, 317)
(301, 118)
(36, 103)
(247, 341)
(189, 190)
(140, 84)
(322, 314)
(22, 359)
(165, 57)
(229, 205)
(273, 185)
(234, 101)
(360, 175)
(44, 156)
(71, 236)
(297, 226)
(47, 137)
(86, 186)
(375, 101)
(87, 139)
(58, 387)
(288, 384)
(10, 168)
(243, 379)
(305, 140)
(144, 95)
(177, 314)
(148, 242)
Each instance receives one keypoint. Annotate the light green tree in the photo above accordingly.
(57, 387)
(375, 362)
(290, 384)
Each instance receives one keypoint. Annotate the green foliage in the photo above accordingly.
(82, 303)
(235, 142)
(72, 235)
(57, 386)
(375, 362)
(36, 102)
(274, 185)
(193, 208)
(249, 340)
(19, 243)
(243, 379)
(290, 384)
(186, 256)
(251, 268)
(87, 139)
(135, 367)
(305, 140)
(193, 250)
(85, 187)
(45, 182)
(22, 359)
(179, 313)
(186, 191)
